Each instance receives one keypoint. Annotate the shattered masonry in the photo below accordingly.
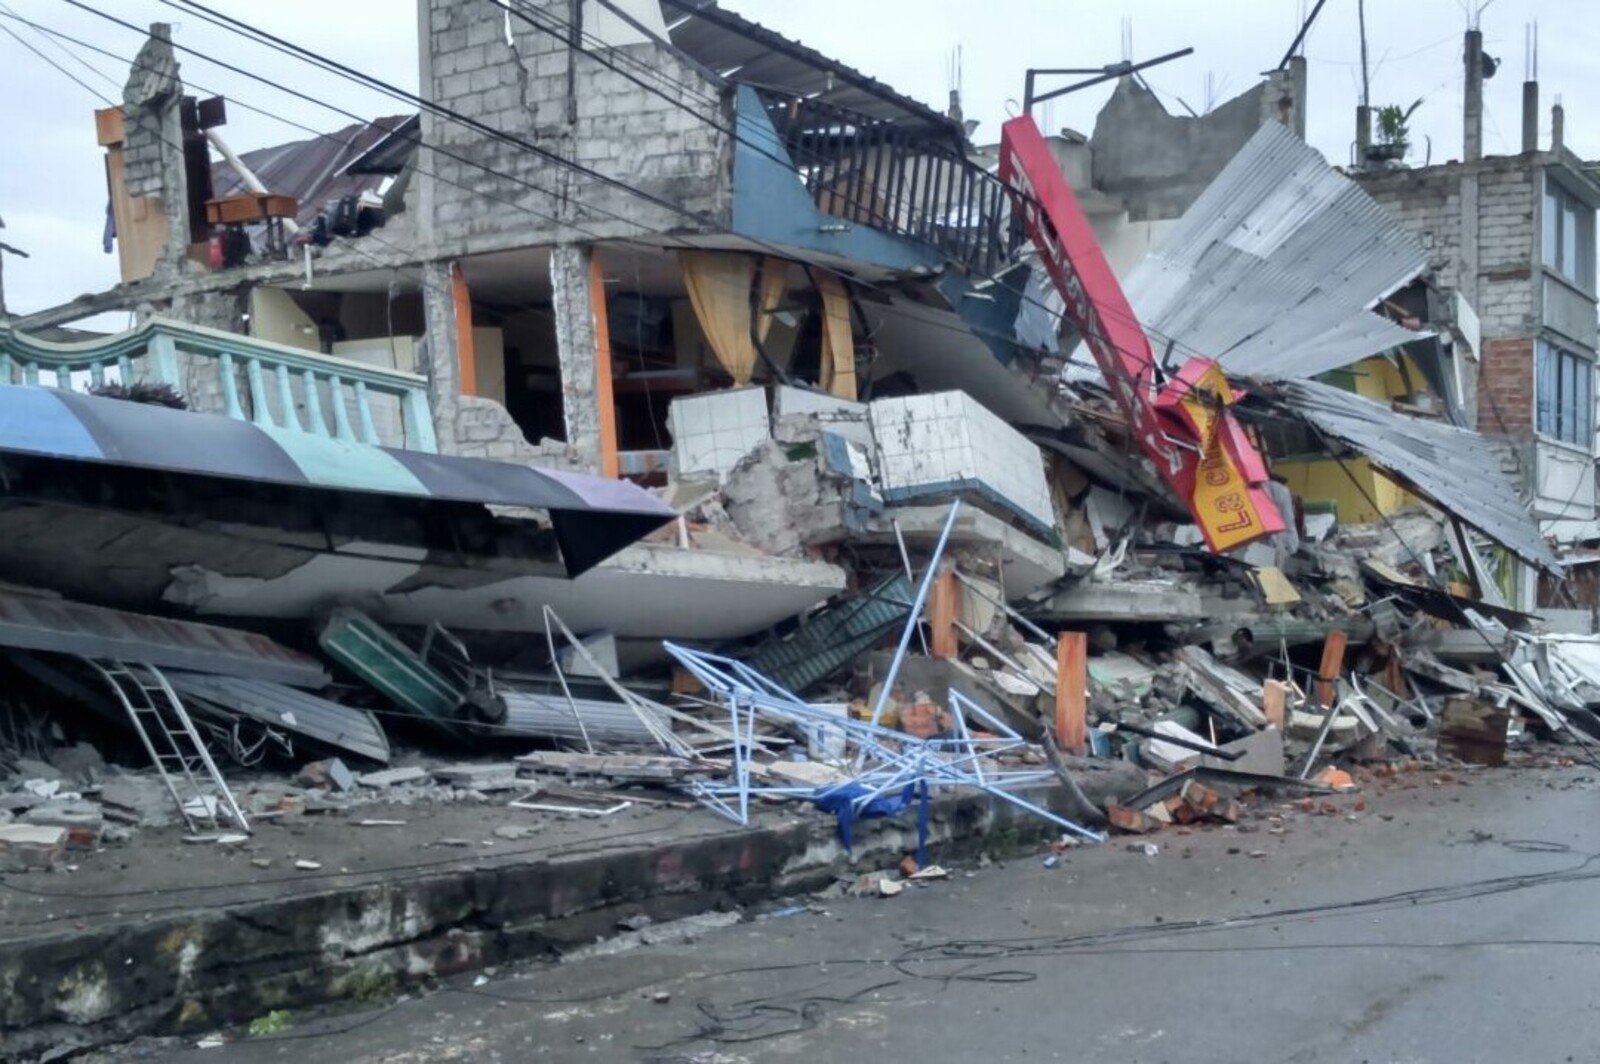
(674, 448)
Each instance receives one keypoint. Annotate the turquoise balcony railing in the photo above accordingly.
(272, 385)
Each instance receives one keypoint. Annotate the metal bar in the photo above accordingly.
(1111, 73)
(914, 194)
(915, 619)
(1000, 603)
(1305, 28)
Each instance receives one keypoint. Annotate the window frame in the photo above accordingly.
(1564, 397)
(1567, 220)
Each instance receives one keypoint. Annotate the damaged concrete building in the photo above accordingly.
(656, 393)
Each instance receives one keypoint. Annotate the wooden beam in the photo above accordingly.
(944, 601)
(1072, 691)
(466, 354)
(1332, 665)
(604, 395)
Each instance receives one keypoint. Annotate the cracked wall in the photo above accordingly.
(513, 76)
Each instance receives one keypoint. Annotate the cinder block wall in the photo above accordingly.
(1429, 202)
(509, 75)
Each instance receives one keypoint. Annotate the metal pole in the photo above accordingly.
(916, 616)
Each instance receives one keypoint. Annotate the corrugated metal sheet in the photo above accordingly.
(550, 717)
(312, 171)
(352, 730)
(1458, 469)
(593, 517)
(33, 622)
(834, 635)
(1275, 268)
(750, 54)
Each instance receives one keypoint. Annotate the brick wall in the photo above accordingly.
(607, 123)
(1428, 201)
(1505, 388)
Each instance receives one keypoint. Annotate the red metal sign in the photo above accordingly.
(1183, 423)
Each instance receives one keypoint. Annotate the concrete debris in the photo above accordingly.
(25, 847)
(390, 777)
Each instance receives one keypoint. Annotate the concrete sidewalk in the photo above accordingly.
(1201, 953)
(166, 937)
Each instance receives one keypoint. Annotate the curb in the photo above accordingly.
(189, 972)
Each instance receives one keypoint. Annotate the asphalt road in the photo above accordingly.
(1457, 921)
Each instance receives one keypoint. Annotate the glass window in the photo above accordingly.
(1564, 387)
(1568, 235)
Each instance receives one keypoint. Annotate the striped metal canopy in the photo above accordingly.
(593, 517)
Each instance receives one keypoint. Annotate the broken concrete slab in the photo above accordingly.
(500, 776)
(31, 769)
(82, 820)
(391, 777)
(28, 846)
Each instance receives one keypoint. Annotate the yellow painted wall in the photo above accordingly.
(1321, 479)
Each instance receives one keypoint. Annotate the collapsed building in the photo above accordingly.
(654, 333)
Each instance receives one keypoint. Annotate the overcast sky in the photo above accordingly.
(52, 185)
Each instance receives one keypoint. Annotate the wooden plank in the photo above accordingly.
(108, 126)
(604, 395)
(1072, 691)
(1332, 665)
(944, 602)
(1275, 702)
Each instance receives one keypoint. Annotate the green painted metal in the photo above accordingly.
(828, 639)
(151, 351)
(392, 669)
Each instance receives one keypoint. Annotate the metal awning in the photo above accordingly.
(592, 517)
(750, 54)
(30, 621)
(1458, 469)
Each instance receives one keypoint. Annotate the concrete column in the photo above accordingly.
(438, 357)
(1472, 107)
(1558, 127)
(1363, 133)
(577, 343)
(1530, 116)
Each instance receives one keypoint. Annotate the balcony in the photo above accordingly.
(278, 388)
(812, 175)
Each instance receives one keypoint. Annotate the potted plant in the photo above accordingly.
(1394, 135)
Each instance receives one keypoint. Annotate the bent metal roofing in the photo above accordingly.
(592, 517)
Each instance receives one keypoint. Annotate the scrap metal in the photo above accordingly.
(1182, 423)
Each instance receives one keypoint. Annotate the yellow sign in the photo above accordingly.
(1223, 501)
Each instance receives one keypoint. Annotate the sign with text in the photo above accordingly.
(1183, 424)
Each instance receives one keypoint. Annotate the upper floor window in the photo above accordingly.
(1568, 235)
(1564, 384)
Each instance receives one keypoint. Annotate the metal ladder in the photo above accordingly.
(174, 745)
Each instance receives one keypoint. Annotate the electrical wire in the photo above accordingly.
(61, 69)
(306, 55)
